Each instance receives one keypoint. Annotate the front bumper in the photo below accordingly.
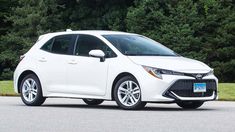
(160, 90)
(183, 90)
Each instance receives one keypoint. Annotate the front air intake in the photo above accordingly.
(184, 88)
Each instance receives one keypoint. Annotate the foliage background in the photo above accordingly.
(199, 29)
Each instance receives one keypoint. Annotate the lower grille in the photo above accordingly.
(184, 88)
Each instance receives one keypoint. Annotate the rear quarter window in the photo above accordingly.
(60, 44)
(47, 46)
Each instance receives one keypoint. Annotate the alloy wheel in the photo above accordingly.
(129, 93)
(29, 89)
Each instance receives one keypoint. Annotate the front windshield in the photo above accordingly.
(136, 45)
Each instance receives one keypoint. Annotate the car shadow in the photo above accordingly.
(115, 107)
(173, 109)
(82, 106)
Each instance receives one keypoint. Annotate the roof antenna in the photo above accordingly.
(68, 30)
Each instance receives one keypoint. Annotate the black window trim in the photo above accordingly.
(75, 45)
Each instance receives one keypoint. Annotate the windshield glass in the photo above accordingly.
(136, 45)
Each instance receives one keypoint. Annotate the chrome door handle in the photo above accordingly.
(42, 59)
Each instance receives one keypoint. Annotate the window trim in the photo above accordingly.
(75, 45)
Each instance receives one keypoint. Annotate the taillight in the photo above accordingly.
(22, 57)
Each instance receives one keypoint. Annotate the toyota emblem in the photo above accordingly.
(199, 76)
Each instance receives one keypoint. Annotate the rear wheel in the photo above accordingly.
(93, 101)
(190, 104)
(31, 91)
(127, 94)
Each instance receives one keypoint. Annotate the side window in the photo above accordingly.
(60, 44)
(86, 43)
(47, 46)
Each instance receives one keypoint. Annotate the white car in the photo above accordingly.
(107, 65)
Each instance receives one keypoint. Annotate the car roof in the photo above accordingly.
(92, 32)
(89, 32)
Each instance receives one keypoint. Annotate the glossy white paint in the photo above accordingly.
(180, 64)
(88, 77)
(97, 53)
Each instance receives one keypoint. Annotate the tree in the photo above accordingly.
(5, 71)
(28, 20)
(96, 14)
(200, 29)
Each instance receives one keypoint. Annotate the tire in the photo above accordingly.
(190, 104)
(127, 94)
(31, 91)
(93, 101)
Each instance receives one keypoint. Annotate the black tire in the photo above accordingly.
(93, 101)
(190, 104)
(138, 105)
(38, 98)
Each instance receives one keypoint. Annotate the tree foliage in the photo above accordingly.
(199, 29)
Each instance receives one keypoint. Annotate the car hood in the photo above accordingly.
(175, 63)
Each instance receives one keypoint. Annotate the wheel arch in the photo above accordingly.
(21, 77)
(118, 77)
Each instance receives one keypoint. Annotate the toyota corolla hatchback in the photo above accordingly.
(106, 65)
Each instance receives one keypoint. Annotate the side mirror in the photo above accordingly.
(97, 54)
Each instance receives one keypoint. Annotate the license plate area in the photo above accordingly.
(199, 87)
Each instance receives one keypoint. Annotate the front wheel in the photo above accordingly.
(190, 104)
(31, 91)
(93, 101)
(127, 94)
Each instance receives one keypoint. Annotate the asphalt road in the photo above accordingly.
(73, 115)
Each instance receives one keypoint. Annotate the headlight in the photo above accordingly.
(156, 72)
(153, 71)
(211, 72)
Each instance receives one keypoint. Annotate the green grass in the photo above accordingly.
(6, 88)
(226, 90)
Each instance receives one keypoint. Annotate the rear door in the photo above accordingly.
(52, 62)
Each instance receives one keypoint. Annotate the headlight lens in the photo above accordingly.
(153, 71)
(156, 72)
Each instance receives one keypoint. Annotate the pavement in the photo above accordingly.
(65, 115)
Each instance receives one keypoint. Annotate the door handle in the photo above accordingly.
(72, 62)
(43, 59)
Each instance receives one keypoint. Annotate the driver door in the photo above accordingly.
(88, 75)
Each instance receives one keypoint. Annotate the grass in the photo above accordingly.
(6, 88)
(226, 90)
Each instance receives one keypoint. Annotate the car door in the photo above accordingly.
(52, 61)
(88, 75)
